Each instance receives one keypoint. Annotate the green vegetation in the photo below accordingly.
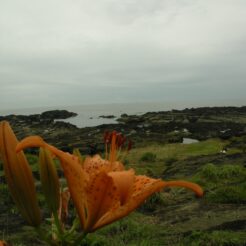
(216, 238)
(152, 203)
(170, 160)
(166, 156)
(226, 184)
(133, 230)
(148, 156)
(179, 151)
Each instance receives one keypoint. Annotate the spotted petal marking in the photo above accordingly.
(96, 163)
(143, 187)
(124, 181)
(102, 196)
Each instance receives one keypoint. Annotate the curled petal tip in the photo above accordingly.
(188, 185)
(200, 193)
(32, 141)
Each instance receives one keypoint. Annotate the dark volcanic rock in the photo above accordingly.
(61, 124)
(107, 116)
(161, 127)
(57, 114)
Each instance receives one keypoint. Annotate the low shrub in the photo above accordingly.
(210, 172)
(223, 184)
(170, 160)
(152, 203)
(229, 194)
(215, 238)
(148, 156)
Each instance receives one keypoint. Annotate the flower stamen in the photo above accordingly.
(116, 146)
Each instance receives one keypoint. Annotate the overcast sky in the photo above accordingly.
(63, 52)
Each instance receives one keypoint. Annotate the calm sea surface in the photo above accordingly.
(88, 115)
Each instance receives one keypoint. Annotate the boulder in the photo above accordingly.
(57, 114)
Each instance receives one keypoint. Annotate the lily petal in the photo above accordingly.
(188, 185)
(143, 187)
(73, 171)
(102, 196)
(3, 243)
(124, 181)
(96, 164)
(32, 141)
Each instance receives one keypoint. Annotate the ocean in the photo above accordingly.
(89, 115)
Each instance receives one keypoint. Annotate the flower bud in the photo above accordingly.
(49, 180)
(19, 176)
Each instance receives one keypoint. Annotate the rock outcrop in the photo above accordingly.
(162, 127)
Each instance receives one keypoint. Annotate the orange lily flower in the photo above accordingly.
(19, 176)
(102, 191)
(96, 163)
(3, 243)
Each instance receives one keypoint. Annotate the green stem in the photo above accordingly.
(58, 224)
(80, 238)
(74, 226)
(42, 235)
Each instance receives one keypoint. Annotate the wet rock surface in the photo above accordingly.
(107, 116)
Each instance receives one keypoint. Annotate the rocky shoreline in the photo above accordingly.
(162, 127)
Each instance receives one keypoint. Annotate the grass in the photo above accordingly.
(148, 156)
(179, 151)
(229, 194)
(221, 173)
(157, 157)
(224, 184)
(136, 229)
(215, 238)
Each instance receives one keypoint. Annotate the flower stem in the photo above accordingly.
(74, 226)
(42, 235)
(57, 224)
(80, 238)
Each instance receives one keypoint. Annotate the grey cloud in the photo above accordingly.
(61, 52)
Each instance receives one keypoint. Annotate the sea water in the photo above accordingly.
(89, 115)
